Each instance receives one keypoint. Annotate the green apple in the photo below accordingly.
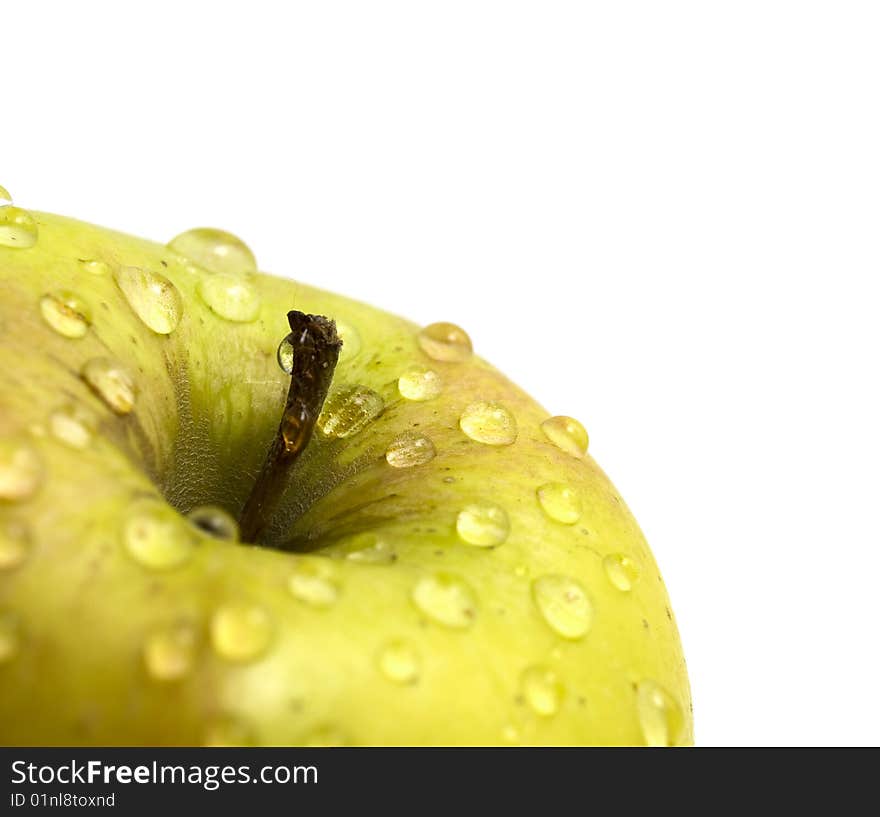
(433, 558)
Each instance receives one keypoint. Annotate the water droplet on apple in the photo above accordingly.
(510, 734)
(155, 536)
(241, 632)
(17, 228)
(225, 732)
(560, 502)
(659, 715)
(419, 384)
(351, 340)
(214, 521)
(349, 410)
(564, 605)
(446, 599)
(446, 342)
(169, 652)
(410, 449)
(21, 470)
(73, 424)
(15, 543)
(367, 548)
(4, 195)
(399, 662)
(482, 525)
(314, 582)
(94, 267)
(231, 297)
(66, 313)
(154, 299)
(489, 423)
(621, 570)
(215, 250)
(568, 434)
(542, 690)
(10, 636)
(112, 382)
(284, 355)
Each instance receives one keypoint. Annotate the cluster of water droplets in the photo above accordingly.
(157, 538)
(445, 599)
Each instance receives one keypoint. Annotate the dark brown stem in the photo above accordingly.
(315, 354)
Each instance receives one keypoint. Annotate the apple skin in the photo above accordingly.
(350, 656)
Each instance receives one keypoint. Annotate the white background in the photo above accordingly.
(661, 218)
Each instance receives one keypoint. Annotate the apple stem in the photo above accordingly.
(315, 354)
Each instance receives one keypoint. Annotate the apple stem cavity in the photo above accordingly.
(316, 347)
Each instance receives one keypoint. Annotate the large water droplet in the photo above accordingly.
(10, 636)
(17, 227)
(542, 689)
(566, 433)
(215, 250)
(314, 582)
(67, 313)
(154, 299)
(482, 525)
(564, 604)
(155, 536)
(420, 384)
(21, 470)
(112, 382)
(15, 543)
(446, 342)
(169, 652)
(94, 267)
(399, 662)
(489, 423)
(659, 715)
(560, 502)
(410, 449)
(230, 297)
(351, 340)
(284, 356)
(367, 548)
(215, 522)
(621, 570)
(446, 599)
(73, 424)
(226, 732)
(349, 410)
(241, 632)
